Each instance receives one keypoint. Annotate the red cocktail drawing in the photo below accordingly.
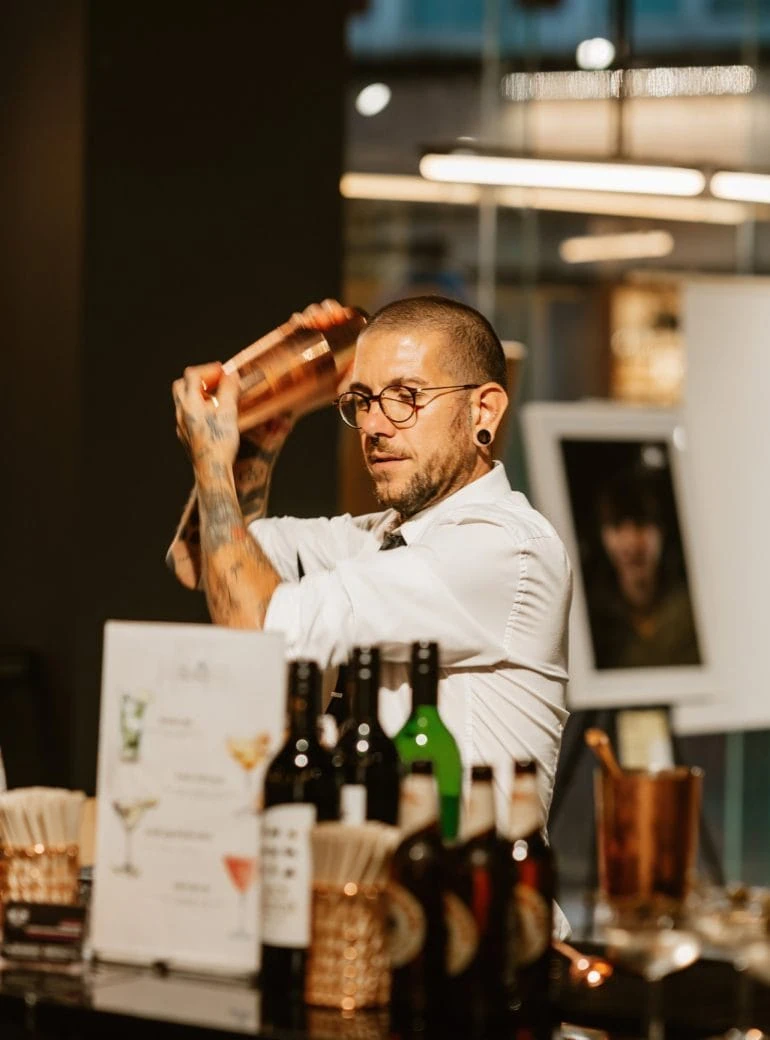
(242, 871)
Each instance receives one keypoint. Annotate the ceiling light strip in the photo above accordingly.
(402, 188)
(601, 85)
(741, 187)
(557, 173)
(635, 245)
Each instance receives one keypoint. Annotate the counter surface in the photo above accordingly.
(118, 1001)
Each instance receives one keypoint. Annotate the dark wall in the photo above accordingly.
(176, 196)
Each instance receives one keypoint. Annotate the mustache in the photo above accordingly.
(374, 448)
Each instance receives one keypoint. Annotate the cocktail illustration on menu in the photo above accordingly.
(133, 707)
(242, 871)
(130, 812)
(249, 752)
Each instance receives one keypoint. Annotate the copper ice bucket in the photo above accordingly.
(647, 832)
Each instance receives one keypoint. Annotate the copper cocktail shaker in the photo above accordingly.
(292, 368)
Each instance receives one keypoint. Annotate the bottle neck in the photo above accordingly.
(366, 703)
(480, 817)
(425, 691)
(526, 814)
(302, 717)
(418, 805)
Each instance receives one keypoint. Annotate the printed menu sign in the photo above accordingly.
(190, 717)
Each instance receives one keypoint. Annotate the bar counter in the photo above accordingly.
(119, 1001)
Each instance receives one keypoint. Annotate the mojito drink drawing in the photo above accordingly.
(132, 711)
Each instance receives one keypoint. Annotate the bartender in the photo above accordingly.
(455, 555)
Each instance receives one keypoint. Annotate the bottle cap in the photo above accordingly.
(483, 774)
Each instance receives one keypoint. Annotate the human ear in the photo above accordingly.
(489, 404)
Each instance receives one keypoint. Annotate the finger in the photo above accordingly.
(324, 315)
(229, 390)
(197, 376)
(336, 311)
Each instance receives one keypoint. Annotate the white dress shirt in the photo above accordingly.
(483, 574)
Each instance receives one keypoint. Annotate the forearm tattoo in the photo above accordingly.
(252, 471)
(238, 577)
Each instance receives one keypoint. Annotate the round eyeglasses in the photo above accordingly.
(397, 403)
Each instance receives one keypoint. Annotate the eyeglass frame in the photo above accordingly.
(413, 390)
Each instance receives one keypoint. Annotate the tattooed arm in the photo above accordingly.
(232, 475)
(238, 577)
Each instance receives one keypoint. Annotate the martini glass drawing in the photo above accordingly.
(130, 812)
(249, 752)
(242, 871)
(132, 709)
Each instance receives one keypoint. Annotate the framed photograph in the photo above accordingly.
(612, 480)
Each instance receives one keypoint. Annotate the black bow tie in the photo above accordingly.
(392, 540)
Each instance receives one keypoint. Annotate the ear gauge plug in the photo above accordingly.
(483, 437)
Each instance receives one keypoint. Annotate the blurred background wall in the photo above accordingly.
(169, 192)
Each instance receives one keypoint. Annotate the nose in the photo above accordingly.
(375, 423)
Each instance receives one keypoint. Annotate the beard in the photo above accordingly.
(418, 493)
(443, 472)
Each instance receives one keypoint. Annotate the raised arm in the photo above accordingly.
(232, 479)
(237, 576)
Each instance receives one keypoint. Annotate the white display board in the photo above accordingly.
(190, 717)
(727, 415)
(573, 449)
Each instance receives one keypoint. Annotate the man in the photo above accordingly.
(478, 570)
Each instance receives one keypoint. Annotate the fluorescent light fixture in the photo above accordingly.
(634, 245)
(742, 187)
(596, 53)
(373, 99)
(594, 83)
(559, 173)
(391, 187)
(617, 204)
(394, 187)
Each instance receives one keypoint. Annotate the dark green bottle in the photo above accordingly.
(424, 737)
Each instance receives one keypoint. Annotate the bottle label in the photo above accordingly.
(418, 804)
(526, 812)
(353, 803)
(287, 874)
(462, 934)
(406, 925)
(533, 925)
(480, 816)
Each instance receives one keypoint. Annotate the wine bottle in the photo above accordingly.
(425, 737)
(533, 896)
(366, 756)
(300, 789)
(480, 880)
(418, 926)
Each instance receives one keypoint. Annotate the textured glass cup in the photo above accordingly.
(348, 966)
(39, 874)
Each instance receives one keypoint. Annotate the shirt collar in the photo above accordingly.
(491, 486)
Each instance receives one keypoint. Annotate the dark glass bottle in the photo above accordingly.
(300, 789)
(480, 878)
(425, 737)
(419, 936)
(368, 760)
(533, 897)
